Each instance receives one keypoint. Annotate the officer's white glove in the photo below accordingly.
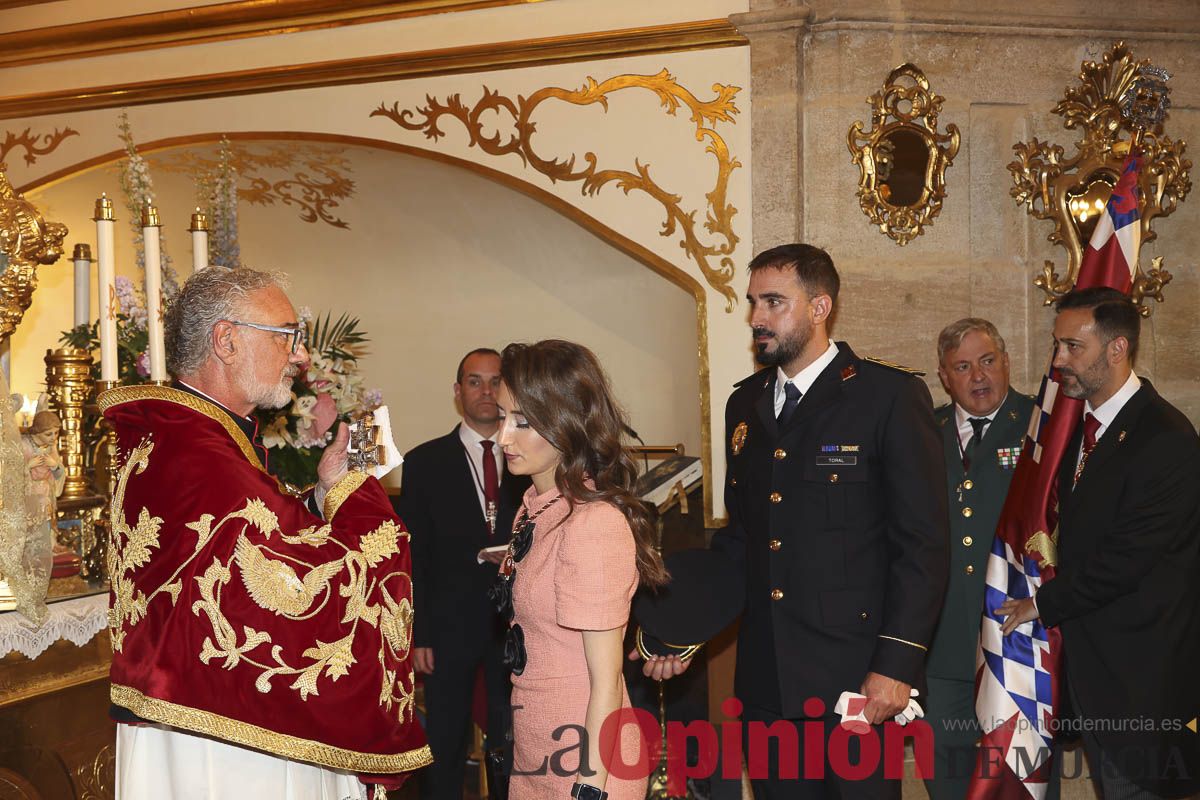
(914, 711)
(851, 706)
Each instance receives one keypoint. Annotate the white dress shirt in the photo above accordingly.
(474, 452)
(966, 430)
(804, 379)
(1108, 410)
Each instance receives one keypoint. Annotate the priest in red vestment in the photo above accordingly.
(259, 650)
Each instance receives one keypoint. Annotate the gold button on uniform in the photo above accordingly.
(777, 594)
(833, 478)
(733, 481)
(967, 511)
(780, 454)
(776, 497)
(968, 541)
(970, 569)
(968, 484)
(774, 544)
(864, 615)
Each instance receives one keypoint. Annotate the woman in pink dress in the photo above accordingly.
(581, 545)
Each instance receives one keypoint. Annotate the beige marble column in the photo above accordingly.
(775, 29)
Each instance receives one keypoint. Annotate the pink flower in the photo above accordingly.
(143, 364)
(324, 414)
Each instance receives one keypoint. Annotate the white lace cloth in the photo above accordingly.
(76, 620)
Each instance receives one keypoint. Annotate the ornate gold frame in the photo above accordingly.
(905, 103)
(1050, 185)
(27, 240)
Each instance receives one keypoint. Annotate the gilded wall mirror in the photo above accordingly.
(903, 158)
(1120, 102)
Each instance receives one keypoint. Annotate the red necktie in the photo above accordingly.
(1090, 426)
(491, 478)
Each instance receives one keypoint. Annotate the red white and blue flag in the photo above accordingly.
(1017, 678)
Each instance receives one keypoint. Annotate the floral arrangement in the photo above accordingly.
(133, 339)
(329, 390)
(138, 189)
(216, 190)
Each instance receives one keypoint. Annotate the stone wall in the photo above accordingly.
(1001, 74)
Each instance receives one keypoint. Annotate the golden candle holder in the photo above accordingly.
(150, 216)
(199, 221)
(69, 385)
(106, 448)
(105, 211)
(105, 464)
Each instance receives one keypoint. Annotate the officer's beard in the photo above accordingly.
(787, 350)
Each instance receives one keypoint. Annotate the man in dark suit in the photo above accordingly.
(457, 499)
(1124, 595)
(837, 524)
(983, 429)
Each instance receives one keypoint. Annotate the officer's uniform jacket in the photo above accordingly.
(976, 497)
(838, 525)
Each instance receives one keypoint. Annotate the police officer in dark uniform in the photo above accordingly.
(982, 431)
(837, 525)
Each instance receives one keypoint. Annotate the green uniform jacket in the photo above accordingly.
(976, 498)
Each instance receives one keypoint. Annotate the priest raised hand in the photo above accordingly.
(258, 650)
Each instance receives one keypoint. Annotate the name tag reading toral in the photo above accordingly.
(826, 460)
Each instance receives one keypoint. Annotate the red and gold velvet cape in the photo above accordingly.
(237, 614)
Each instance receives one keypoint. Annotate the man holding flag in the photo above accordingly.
(1129, 552)
(1116, 595)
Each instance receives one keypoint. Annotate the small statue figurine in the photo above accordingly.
(39, 444)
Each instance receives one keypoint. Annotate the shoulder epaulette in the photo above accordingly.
(750, 378)
(898, 367)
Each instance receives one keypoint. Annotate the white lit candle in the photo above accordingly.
(154, 317)
(83, 284)
(106, 288)
(199, 231)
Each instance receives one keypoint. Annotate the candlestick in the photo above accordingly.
(154, 315)
(106, 288)
(199, 231)
(83, 284)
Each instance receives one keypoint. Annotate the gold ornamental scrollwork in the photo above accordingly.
(1072, 191)
(96, 779)
(312, 179)
(27, 240)
(705, 114)
(903, 158)
(29, 141)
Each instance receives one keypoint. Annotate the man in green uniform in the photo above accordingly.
(983, 429)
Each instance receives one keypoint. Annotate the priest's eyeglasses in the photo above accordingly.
(299, 334)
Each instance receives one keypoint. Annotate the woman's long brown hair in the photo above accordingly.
(563, 392)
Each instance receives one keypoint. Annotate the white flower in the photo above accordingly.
(275, 434)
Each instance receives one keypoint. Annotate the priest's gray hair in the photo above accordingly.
(209, 296)
(952, 335)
